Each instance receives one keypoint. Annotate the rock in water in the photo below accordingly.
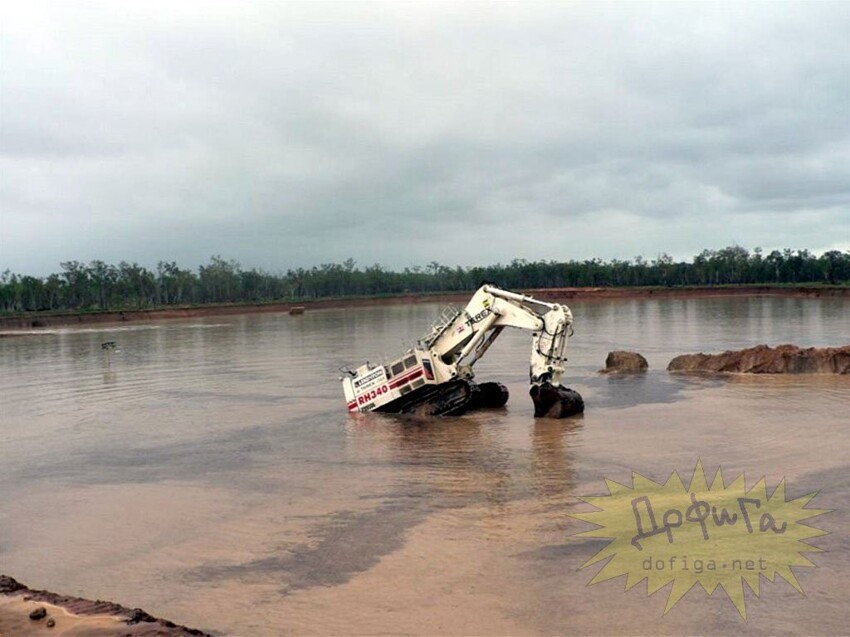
(783, 359)
(621, 361)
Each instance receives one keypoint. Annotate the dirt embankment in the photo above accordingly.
(36, 320)
(783, 359)
(24, 611)
(559, 294)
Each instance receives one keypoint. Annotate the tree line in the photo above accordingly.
(101, 286)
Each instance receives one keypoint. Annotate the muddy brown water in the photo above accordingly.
(207, 471)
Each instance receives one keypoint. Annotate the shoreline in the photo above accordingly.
(75, 615)
(35, 320)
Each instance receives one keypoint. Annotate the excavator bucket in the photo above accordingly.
(555, 402)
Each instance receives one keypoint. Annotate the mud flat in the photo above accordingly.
(36, 320)
(783, 359)
(24, 611)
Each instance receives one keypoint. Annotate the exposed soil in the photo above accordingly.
(783, 359)
(30, 610)
(37, 320)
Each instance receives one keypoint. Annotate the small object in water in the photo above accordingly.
(38, 613)
(297, 310)
(108, 347)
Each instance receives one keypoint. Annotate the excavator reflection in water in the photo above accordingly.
(436, 376)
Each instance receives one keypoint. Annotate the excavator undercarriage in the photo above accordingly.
(450, 399)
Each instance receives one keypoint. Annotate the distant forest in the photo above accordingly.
(100, 286)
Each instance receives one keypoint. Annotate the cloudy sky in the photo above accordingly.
(285, 134)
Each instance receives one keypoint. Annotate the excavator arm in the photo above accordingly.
(466, 338)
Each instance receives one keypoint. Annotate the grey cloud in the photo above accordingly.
(285, 134)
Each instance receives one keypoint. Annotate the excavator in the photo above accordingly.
(435, 377)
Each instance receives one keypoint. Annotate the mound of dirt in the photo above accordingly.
(621, 361)
(783, 359)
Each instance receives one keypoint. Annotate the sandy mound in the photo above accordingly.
(783, 359)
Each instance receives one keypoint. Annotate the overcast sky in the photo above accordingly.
(285, 134)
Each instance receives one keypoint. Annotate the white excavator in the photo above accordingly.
(436, 378)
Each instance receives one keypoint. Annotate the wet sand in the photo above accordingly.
(15, 621)
(76, 617)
